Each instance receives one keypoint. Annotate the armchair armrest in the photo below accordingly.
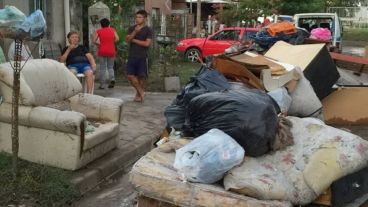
(97, 107)
(46, 118)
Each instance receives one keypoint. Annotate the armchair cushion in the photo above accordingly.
(102, 133)
(45, 118)
(42, 81)
(97, 107)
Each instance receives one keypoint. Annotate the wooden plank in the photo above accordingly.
(349, 58)
(144, 201)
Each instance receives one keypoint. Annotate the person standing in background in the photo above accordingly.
(107, 37)
(139, 37)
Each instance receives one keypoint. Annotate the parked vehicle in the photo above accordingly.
(195, 48)
(331, 21)
(278, 18)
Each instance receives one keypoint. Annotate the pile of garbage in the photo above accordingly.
(281, 31)
(257, 125)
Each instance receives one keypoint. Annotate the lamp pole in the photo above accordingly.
(191, 6)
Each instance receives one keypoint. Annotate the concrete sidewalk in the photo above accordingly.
(141, 124)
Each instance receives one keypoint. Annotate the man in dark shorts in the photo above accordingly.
(140, 37)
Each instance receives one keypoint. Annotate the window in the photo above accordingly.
(227, 35)
(37, 4)
(155, 13)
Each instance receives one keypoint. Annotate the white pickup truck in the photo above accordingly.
(330, 21)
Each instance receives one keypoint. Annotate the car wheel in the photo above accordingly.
(192, 55)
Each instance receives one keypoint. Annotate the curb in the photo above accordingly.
(118, 160)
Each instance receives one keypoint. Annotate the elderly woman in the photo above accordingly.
(78, 59)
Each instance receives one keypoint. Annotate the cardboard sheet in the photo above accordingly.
(347, 106)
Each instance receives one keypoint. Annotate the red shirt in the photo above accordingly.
(107, 42)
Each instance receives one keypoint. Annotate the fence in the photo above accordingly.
(175, 26)
(353, 17)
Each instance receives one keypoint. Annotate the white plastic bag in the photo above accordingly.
(207, 158)
(281, 96)
(304, 102)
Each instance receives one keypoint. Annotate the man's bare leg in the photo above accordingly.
(135, 83)
(89, 79)
(142, 84)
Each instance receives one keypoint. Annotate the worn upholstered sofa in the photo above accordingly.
(58, 125)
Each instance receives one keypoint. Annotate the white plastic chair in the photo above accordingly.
(82, 79)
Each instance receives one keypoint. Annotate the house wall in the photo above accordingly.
(163, 5)
(55, 21)
(20, 4)
(179, 5)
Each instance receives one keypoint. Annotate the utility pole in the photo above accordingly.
(191, 7)
(199, 17)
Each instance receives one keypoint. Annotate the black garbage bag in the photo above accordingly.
(175, 116)
(205, 81)
(247, 115)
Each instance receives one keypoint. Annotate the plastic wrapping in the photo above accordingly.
(207, 158)
(323, 34)
(247, 115)
(34, 25)
(14, 24)
(282, 98)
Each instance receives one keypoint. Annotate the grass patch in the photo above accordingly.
(356, 34)
(183, 69)
(37, 185)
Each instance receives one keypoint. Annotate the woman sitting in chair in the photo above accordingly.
(78, 59)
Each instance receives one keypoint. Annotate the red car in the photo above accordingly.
(214, 44)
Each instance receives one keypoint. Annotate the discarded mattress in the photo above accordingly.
(321, 154)
(154, 176)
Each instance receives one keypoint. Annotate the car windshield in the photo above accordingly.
(226, 35)
(315, 22)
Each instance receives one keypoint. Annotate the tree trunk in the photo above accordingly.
(15, 105)
(15, 132)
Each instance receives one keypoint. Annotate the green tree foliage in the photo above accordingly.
(291, 7)
(251, 9)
